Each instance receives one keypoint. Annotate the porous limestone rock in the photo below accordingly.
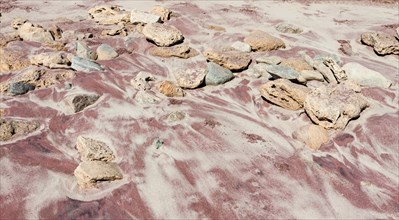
(262, 41)
(190, 78)
(13, 128)
(31, 32)
(52, 60)
(108, 15)
(162, 12)
(141, 81)
(85, 65)
(162, 35)
(280, 71)
(229, 58)
(88, 173)
(83, 51)
(382, 43)
(269, 60)
(170, 90)
(93, 150)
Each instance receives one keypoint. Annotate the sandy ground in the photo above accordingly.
(233, 156)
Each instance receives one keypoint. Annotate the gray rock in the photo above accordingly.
(241, 46)
(143, 17)
(85, 65)
(106, 52)
(282, 72)
(269, 59)
(288, 28)
(19, 88)
(365, 76)
(309, 75)
(83, 51)
(217, 75)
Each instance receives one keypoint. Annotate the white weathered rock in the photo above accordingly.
(141, 81)
(162, 35)
(92, 150)
(109, 15)
(52, 60)
(241, 46)
(31, 32)
(262, 41)
(88, 173)
(143, 17)
(106, 52)
(365, 76)
(83, 51)
(190, 78)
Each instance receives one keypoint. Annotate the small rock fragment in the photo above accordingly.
(382, 43)
(181, 51)
(241, 46)
(231, 59)
(162, 35)
(143, 17)
(279, 71)
(85, 65)
(345, 47)
(269, 60)
(108, 15)
(83, 51)
(52, 60)
(176, 116)
(11, 128)
(106, 52)
(170, 90)
(141, 81)
(162, 12)
(31, 32)
(190, 78)
(88, 173)
(312, 136)
(338, 72)
(288, 28)
(217, 75)
(262, 41)
(20, 88)
(93, 150)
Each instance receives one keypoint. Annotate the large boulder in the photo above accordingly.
(262, 41)
(170, 90)
(382, 43)
(229, 58)
(88, 173)
(217, 75)
(284, 93)
(180, 51)
(365, 76)
(108, 15)
(334, 105)
(106, 52)
(313, 136)
(190, 78)
(93, 150)
(137, 17)
(162, 35)
(11, 128)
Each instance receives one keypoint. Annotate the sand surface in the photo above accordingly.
(233, 156)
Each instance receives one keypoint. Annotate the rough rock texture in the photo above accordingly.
(18, 22)
(181, 51)
(259, 70)
(269, 59)
(190, 78)
(313, 136)
(365, 76)
(31, 32)
(241, 46)
(284, 93)
(262, 41)
(297, 64)
(76, 103)
(217, 75)
(162, 35)
(309, 75)
(170, 90)
(52, 60)
(93, 150)
(345, 47)
(280, 71)
(338, 72)
(119, 30)
(19, 88)
(141, 81)
(289, 28)
(83, 51)
(231, 59)
(146, 97)
(162, 12)
(382, 43)
(56, 32)
(143, 17)
(7, 38)
(106, 52)
(12, 128)
(176, 116)
(333, 106)
(11, 60)
(108, 15)
(88, 173)
(85, 65)
(318, 64)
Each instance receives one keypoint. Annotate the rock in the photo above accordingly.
(73, 35)
(296, 64)
(334, 105)
(338, 72)
(345, 47)
(323, 69)
(288, 28)
(56, 32)
(120, 30)
(382, 43)
(259, 70)
(241, 46)
(397, 33)
(108, 15)
(262, 41)
(11, 129)
(106, 52)
(217, 75)
(7, 38)
(309, 75)
(269, 60)
(141, 81)
(162, 35)
(215, 28)
(31, 32)
(18, 22)
(85, 65)
(176, 116)
(77, 103)
(231, 59)
(143, 17)
(11, 60)
(20, 88)
(88, 173)
(170, 90)
(162, 12)
(83, 51)
(312, 136)
(93, 150)
(57, 46)
(365, 76)
(52, 60)
(284, 93)
(279, 71)
(181, 51)
(146, 97)
(190, 78)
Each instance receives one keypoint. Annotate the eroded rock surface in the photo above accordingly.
(382, 43)
(162, 35)
(93, 150)
(231, 59)
(88, 173)
(190, 78)
(170, 90)
(52, 60)
(262, 41)
(77, 103)
(108, 15)
(13, 128)
(289, 28)
(181, 51)
(162, 12)
(32, 32)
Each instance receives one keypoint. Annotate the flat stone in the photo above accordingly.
(93, 150)
(262, 41)
(269, 60)
(180, 51)
(365, 76)
(83, 51)
(312, 136)
(143, 17)
(217, 75)
(288, 28)
(309, 75)
(170, 90)
(85, 65)
(88, 173)
(77, 103)
(20, 88)
(278, 71)
(231, 59)
(241, 46)
(382, 43)
(162, 35)
(106, 52)
(284, 93)
(297, 64)
(190, 78)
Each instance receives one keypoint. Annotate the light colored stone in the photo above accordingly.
(106, 52)
(141, 81)
(143, 17)
(162, 35)
(12, 128)
(93, 150)
(83, 51)
(162, 12)
(88, 173)
(309, 75)
(31, 32)
(217, 75)
(146, 97)
(269, 60)
(119, 30)
(288, 28)
(231, 59)
(297, 64)
(284, 93)
(85, 65)
(108, 15)
(181, 51)
(382, 43)
(338, 72)
(262, 41)
(77, 103)
(312, 136)
(52, 60)
(259, 70)
(18, 22)
(176, 116)
(11, 60)
(241, 46)
(279, 71)
(365, 76)
(7, 38)
(170, 90)
(190, 78)
(334, 105)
